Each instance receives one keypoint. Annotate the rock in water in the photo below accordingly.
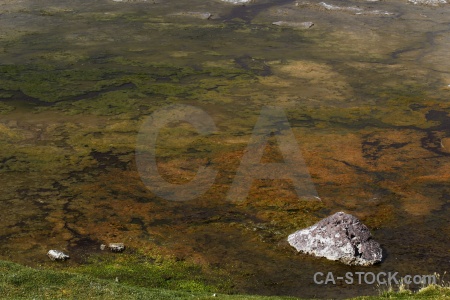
(428, 2)
(116, 247)
(238, 1)
(298, 25)
(57, 255)
(338, 237)
(195, 14)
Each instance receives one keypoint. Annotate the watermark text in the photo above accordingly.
(380, 278)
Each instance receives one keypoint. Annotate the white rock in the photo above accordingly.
(428, 2)
(195, 14)
(338, 237)
(129, 0)
(238, 1)
(300, 25)
(57, 255)
(341, 8)
(354, 9)
(116, 247)
(375, 12)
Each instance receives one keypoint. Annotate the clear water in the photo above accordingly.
(366, 96)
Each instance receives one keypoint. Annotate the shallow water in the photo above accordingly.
(366, 96)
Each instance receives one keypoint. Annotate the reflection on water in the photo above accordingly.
(365, 91)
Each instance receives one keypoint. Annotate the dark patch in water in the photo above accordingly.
(82, 247)
(303, 121)
(257, 66)
(433, 143)
(443, 211)
(441, 117)
(5, 160)
(140, 222)
(249, 12)
(109, 159)
(18, 97)
(164, 80)
(372, 148)
(88, 95)
(416, 106)
(215, 215)
(162, 222)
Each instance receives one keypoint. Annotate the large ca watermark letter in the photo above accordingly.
(272, 120)
(146, 156)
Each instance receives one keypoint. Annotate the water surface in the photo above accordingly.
(365, 91)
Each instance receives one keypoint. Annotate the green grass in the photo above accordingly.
(19, 282)
(153, 272)
(433, 291)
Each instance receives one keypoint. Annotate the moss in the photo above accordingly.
(394, 112)
(64, 81)
(397, 111)
(66, 57)
(323, 115)
(49, 84)
(106, 104)
(9, 134)
(167, 89)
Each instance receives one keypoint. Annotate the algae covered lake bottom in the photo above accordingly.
(365, 94)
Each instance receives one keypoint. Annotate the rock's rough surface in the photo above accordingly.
(339, 237)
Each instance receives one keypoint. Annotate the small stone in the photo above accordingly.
(340, 8)
(116, 247)
(238, 1)
(428, 2)
(130, 1)
(195, 14)
(339, 237)
(57, 255)
(102, 247)
(299, 25)
(375, 12)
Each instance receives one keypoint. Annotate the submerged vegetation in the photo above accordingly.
(365, 103)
